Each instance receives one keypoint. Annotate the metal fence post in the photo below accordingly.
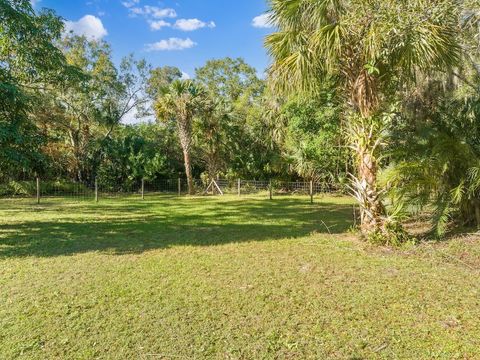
(311, 192)
(270, 190)
(38, 190)
(96, 190)
(239, 187)
(179, 187)
(143, 189)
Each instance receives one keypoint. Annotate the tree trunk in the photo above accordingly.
(184, 128)
(74, 141)
(366, 138)
(372, 209)
(188, 171)
(211, 165)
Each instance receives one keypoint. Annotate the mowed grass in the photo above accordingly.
(225, 278)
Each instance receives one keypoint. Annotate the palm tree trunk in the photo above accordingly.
(188, 171)
(366, 139)
(211, 164)
(184, 133)
(372, 209)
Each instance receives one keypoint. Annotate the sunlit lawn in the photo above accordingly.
(225, 278)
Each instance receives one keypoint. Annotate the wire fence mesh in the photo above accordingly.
(95, 190)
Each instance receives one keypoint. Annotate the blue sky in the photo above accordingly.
(182, 33)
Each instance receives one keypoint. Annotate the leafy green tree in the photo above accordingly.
(28, 61)
(313, 140)
(130, 92)
(88, 108)
(212, 135)
(75, 109)
(368, 48)
(180, 103)
(136, 152)
(247, 151)
(160, 78)
(230, 79)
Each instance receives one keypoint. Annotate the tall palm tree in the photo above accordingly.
(181, 102)
(368, 47)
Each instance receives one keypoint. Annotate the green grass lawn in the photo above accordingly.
(226, 278)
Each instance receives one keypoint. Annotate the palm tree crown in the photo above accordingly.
(362, 43)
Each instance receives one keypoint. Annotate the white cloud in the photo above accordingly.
(185, 76)
(192, 24)
(131, 3)
(34, 2)
(89, 25)
(262, 21)
(159, 24)
(171, 44)
(153, 12)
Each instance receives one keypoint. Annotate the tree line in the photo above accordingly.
(378, 97)
(64, 103)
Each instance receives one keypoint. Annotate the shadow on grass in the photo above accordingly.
(132, 226)
(422, 228)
